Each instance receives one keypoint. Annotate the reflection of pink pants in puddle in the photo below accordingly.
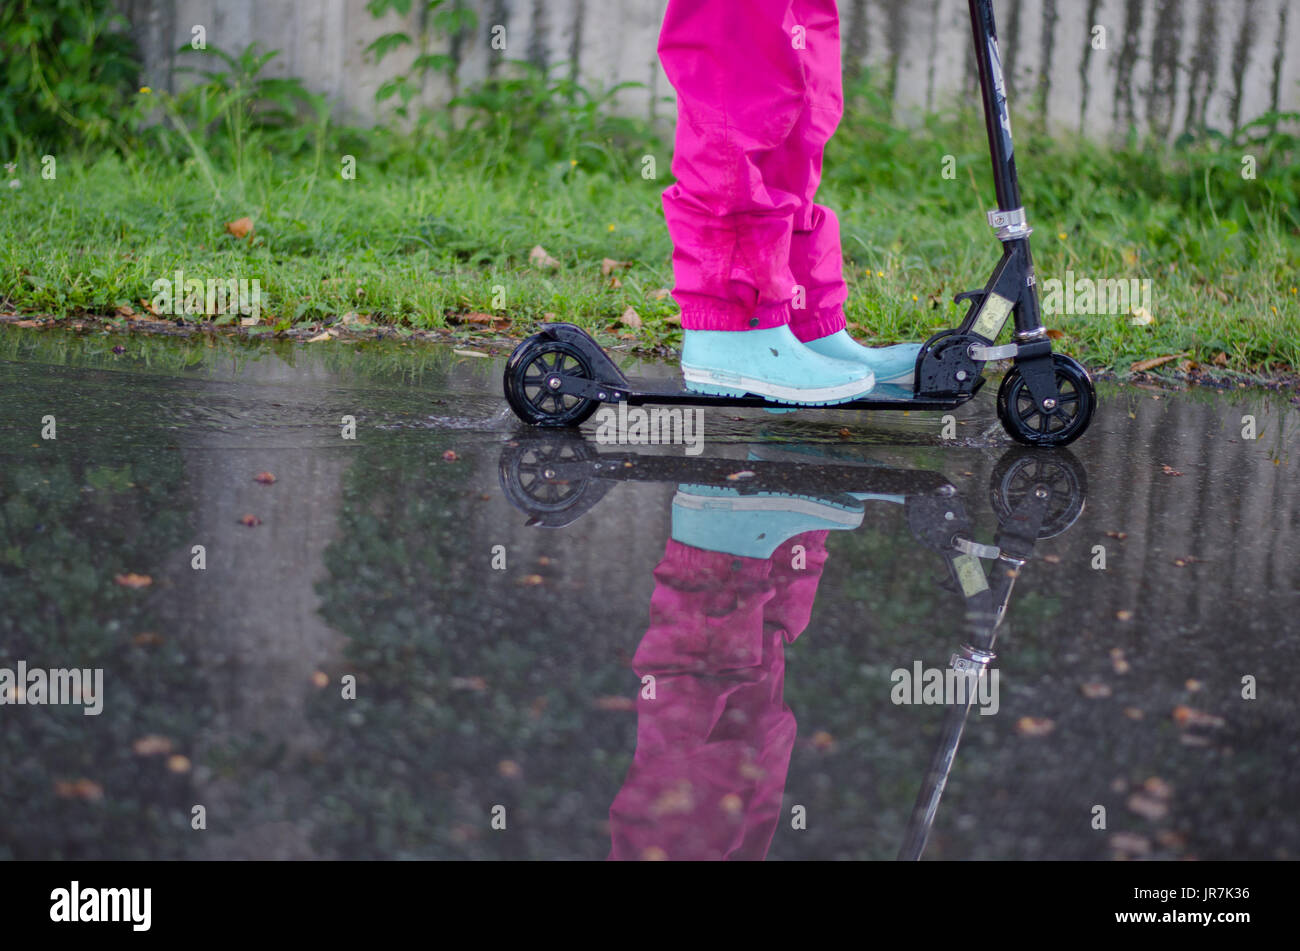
(759, 93)
(713, 747)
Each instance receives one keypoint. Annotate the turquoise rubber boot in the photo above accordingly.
(894, 365)
(753, 526)
(770, 363)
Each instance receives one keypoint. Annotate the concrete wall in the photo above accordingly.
(1167, 65)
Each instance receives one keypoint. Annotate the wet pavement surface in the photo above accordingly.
(630, 650)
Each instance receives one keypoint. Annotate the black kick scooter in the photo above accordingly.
(560, 376)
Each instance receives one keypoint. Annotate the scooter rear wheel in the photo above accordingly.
(1062, 425)
(526, 389)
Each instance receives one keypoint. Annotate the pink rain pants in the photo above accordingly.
(759, 93)
(713, 746)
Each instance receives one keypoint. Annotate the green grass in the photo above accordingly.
(423, 236)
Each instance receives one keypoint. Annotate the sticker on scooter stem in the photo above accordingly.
(1000, 85)
(993, 316)
(970, 574)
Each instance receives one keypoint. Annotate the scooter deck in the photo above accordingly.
(883, 397)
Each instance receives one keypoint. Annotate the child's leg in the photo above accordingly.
(816, 260)
(796, 167)
(740, 84)
(740, 93)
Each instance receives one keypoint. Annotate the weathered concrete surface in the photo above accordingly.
(1167, 66)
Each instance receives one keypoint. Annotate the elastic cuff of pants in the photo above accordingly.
(813, 325)
(725, 316)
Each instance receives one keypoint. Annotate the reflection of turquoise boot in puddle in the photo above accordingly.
(755, 525)
(770, 363)
(894, 365)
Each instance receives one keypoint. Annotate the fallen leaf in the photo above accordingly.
(1148, 807)
(1185, 716)
(250, 520)
(86, 789)
(608, 266)
(659, 293)
(732, 804)
(630, 318)
(509, 769)
(320, 679)
(1120, 535)
(469, 353)
(821, 740)
(1055, 334)
(614, 703)
(1118, 661)
(240, 227)
(133, 580)
(1141, 317)
(539, 257)
(147, 639)
(1158, 787)
(1170, 471)
(1035, 726)
(1052, 559)
(479, 318)
(1124, 615)
(531, 581)
(477, 684)
(1128, 843)
(450, 456)
(265, 478)
(151, 745)
(673, 320)
(1193, 686)
(615, 283)
(125, 310)
(178, 763)
(1221, 359)
(248, 321)
(1171, 839)
(1095, 690)
(1143, 365)
(322, 337)
(1133, 713)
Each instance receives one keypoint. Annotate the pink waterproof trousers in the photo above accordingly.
(713, 745)
(759, 93)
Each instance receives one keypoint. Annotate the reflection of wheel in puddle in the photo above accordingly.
(1022, 471)
(530, 480)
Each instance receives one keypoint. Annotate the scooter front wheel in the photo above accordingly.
(535, 362)
(1060, 426)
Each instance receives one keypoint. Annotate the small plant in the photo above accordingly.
(531, 115)
(436, 19)
(67, 73)
(239, 102)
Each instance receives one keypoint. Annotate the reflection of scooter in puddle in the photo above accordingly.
(737, 584)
